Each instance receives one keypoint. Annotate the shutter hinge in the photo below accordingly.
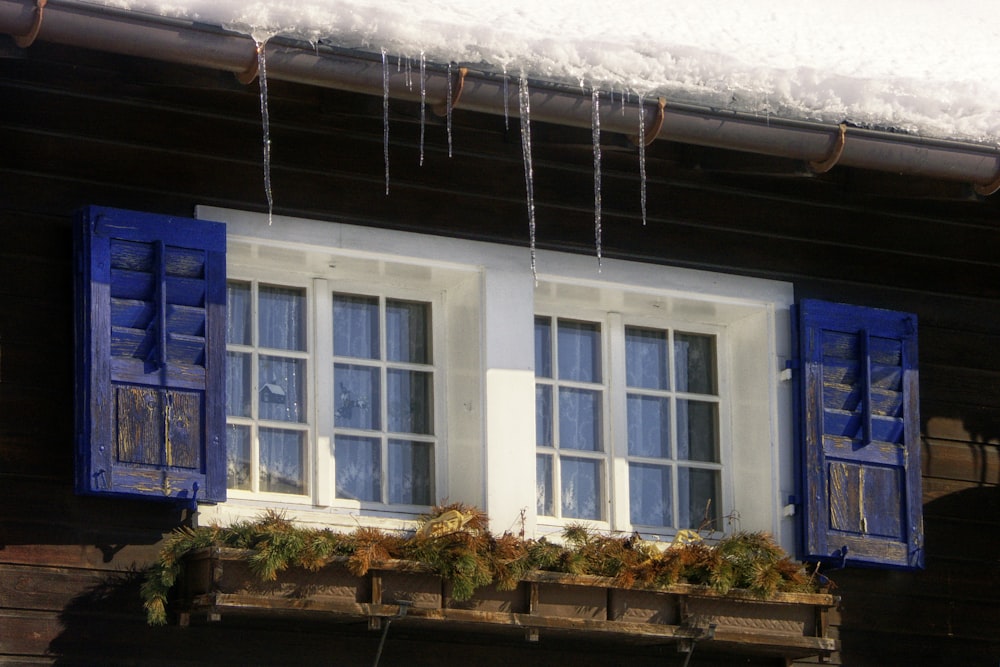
(786, 373)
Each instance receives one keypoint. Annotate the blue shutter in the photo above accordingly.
(150, 330)
(860, 435)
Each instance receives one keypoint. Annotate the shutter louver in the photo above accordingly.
(151, 354)
(860, 435)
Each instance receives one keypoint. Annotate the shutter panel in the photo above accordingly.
(860, 435)
(150, 322)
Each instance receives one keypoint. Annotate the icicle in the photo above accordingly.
(529, 177)
(385, 118)
(595, 115)
(447, 103)
(423, 103)
(266, 123)
(506, 97)
(642, 158)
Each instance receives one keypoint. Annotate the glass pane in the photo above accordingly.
(282, 389)
(646, 358)
(355, 326)
(649, 495)
(282, 318)
(409, 401)
(543, 415)
(581, 488)
(407, 332)
(579, 351)
(697, 438)
(238, 392)
(359, 468)
(410, 472)
(543, 486)
(238, 317)
(648, 426)
(694, 357)
(282, 457)
(543, 347)
(238, 457)
(580, 419)
(356, 402)
(698, 492)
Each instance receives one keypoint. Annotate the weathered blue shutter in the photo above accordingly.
(861, 435)
(150, 322)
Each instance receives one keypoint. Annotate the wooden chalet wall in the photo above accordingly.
(80, 128)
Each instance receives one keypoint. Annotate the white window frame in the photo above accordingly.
(486, 453)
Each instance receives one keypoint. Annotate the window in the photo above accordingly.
(267, 359)
(667, 437)
(373, 373)
(383, 400)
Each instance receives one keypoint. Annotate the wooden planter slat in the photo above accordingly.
(219, 581)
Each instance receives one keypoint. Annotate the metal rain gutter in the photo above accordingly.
(132, 33)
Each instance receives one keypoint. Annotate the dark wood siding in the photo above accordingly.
(81, 128)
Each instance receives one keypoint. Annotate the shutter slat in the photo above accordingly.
(859, 435)
(151, 354)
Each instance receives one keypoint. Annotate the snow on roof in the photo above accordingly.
(918, 66)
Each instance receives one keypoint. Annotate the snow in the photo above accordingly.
(919, 66)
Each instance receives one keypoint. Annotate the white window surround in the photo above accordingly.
(488, 298)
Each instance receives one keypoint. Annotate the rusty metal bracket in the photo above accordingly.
(27, 39)
(456, 94)
(247, 76)
(989, 188)
(650, 133)
(828, 163)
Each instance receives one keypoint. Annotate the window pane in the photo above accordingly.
(649, 494)
(646, 358)
(238, 392)
(409, 401)
(238, 457)
(355, 326)
(238, 313)
(282, 318)
(543, 347)
(543, 486)
(410, 466)
(356, 402)
(579, 351)
(282, 389)
(648, 426)
(359, 468)
(580, 419)
(543, 415)
(698, 497)
(407, 332)
(694, 356)
(581, 488)
(282, 457)
(697, 438)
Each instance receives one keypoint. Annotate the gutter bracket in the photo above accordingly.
(247, 76)
(989, 188)
(441, 110)
(650, 133)
(27, 39)
(828, 163)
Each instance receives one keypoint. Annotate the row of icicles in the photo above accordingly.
(524, 108)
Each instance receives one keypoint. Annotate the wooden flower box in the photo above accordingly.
(219, 581)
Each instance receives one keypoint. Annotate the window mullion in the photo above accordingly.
(321, 405)
(255, 389)
(616, 423)
(674, 476)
